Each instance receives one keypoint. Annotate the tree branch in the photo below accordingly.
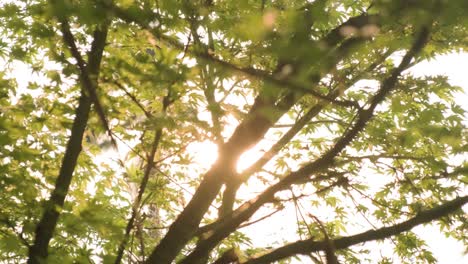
(248, 133)
(330, 249)
(144, 182)
(130, 95)
(230, 193)
(330, 40)
(206, 73)
(89, 79)
(245, 211)
(45, 228)
(307, 246)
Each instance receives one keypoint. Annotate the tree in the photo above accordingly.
(96, 162)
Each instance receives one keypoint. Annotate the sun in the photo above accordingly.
(204, 153)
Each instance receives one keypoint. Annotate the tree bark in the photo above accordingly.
(38, 252)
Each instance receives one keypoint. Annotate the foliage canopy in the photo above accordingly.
(97, 162)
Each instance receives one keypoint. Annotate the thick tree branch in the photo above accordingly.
(245, 211)
(45, 228)
(307, 246)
